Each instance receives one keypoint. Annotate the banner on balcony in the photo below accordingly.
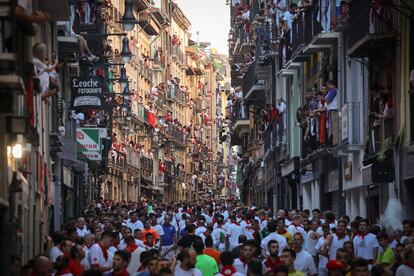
(89, 143)
(87, 92)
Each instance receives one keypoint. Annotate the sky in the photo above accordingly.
(211, 18)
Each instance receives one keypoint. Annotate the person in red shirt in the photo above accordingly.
(76, 256)
(148, 230)
(273, 259)
(210, 251)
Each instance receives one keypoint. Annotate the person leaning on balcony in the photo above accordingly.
(42, 70)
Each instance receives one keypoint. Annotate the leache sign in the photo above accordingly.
(87, 92)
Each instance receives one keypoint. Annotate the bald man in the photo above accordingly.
(42, 266)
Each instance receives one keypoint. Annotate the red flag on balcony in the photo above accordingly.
(151, 119)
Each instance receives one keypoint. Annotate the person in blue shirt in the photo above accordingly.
(169, 239)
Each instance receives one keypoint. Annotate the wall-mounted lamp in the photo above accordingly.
(128, 20)
(125, 53)
(123, 80)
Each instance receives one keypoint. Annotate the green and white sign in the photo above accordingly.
(89, 145)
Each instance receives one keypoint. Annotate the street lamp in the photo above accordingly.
(126, 94)
(125, 53)
(123, 80)
(128, 20)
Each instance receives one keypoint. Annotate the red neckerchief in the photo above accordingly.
(362, 235)
(228, 270)
(409, 265)
(263, 219)
(236, 223)
(104, 251)
(272, 264)
(243, 260)
(131, 248)
(281, 231)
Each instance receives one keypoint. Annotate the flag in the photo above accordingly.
(151, 119)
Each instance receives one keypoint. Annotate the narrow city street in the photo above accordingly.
(206, 137)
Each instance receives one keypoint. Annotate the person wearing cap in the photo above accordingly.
(335, 268)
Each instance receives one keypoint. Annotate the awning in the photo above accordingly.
(369, 42)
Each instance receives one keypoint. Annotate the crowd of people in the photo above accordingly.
(220, 238)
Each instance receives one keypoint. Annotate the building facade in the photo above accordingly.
(347, 153)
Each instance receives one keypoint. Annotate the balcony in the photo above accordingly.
(174, 93)
(174, 52)
(275, 135)
(239, 116)
(147, 72)
(366, 35)
(132, 157)
(253, 88)
(198, 105)
(381, 137)
(147, 167)
(351, 127)
(176, 135)
(318, 139)
(117, 160)
(149, 24)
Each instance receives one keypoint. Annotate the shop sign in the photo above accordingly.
(87, 92)
(89, 145)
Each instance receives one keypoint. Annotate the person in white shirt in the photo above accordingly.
(157, 227)
(304, 260)
(296, 226)
(273, 235)
(128, 232)
(366, 244)
(407, 269)
(55, 251)
(321, 252)
(187, 258)
(234, 230)
(134, 223)
(99, 257)
(247, 252)
(313, 236)
(201, 227)
(81, 227)
(336, 240)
